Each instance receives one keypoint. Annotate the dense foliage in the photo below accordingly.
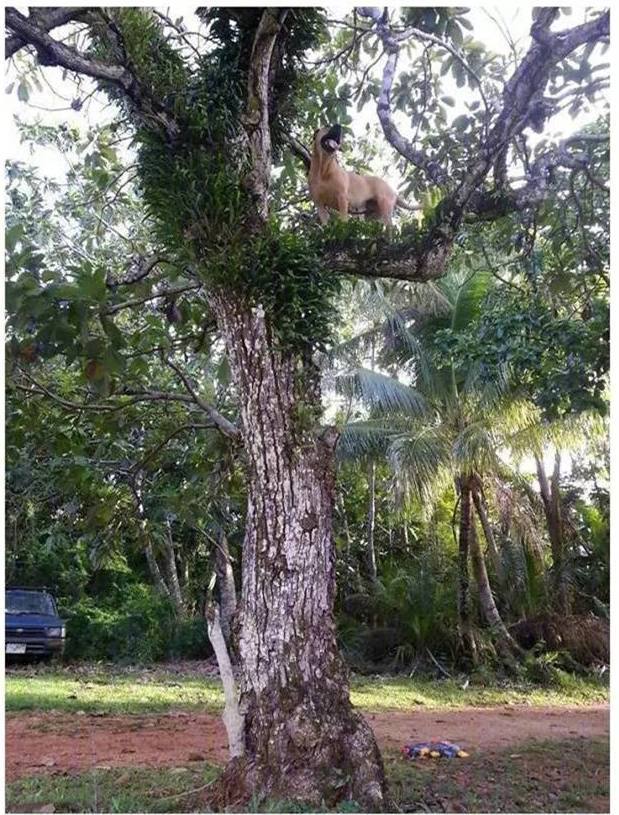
(119, 486)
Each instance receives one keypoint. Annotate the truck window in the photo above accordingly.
(29, 602)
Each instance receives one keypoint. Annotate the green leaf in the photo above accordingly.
(461, 122)
(23, 91)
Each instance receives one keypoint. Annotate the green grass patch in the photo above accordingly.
(158, 691)
(393, 693)
(110, 694)
(561, 776)
(116, 790)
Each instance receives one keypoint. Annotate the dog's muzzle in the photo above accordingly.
(332, 139)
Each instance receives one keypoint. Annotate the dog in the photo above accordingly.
(332, 188)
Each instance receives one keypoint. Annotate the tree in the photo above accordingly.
(207, 122)
(447, 427)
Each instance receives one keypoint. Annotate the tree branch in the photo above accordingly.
(223, 424)
(52, 52)
(139, 300)
(300, 151)
(144, 267)
(219, 422)
(256, 118)
(47, 19)
(139, 465)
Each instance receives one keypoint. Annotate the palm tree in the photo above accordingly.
(449, 428)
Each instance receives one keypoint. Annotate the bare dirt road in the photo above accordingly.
(60, 742)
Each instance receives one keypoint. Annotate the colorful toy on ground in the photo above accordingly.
(433, 749)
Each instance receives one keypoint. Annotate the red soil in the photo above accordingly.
(60, 742)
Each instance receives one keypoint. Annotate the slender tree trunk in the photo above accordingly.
(174, 585)
(151, 560)
(303, 739)
(371, 523)
(234, 720)
(225, 585)
(467, 638)
(501, 635)
(482, 512)
(351, 557)
(551, 499)
(342, 510)
(155, 571)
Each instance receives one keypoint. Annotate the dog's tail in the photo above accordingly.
(400, 202)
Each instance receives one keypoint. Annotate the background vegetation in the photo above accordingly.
(496, 373)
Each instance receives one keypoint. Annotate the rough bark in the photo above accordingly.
(465, 624)
(303, 739)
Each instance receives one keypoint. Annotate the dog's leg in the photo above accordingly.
(342, 207)
(323, 215)
(384, 208)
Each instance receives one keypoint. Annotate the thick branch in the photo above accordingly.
(52, 52)
(256, 118)
(47, 19)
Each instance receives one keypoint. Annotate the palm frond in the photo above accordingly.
(421, 462)
(475, 448)
(367, 439)
(381, 393)
(470, 296)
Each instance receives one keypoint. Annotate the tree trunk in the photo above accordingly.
(501, 635)
(155, 571)
(482, 512)
(467, 638)
(551, 499)
(225, 585)
(172, 572)
(371, 523)
(303, 739)
(351, 557)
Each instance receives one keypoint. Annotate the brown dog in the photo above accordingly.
(332, 188)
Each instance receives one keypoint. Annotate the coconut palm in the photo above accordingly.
(450, 428)
(459, 425)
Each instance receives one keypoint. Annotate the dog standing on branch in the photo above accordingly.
(332, 188)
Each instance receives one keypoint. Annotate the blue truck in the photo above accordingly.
(32, 626)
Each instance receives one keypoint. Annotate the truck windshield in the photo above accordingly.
(28, 602)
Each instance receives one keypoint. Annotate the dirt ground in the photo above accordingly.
(60, 742)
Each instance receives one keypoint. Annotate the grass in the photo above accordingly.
(112, 691)
(109, 693)
(389, 693)
(552, 776)
(177, 789)
(562, 776)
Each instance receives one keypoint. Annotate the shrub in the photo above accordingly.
(139, 628)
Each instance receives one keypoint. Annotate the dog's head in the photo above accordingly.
(328, 140)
